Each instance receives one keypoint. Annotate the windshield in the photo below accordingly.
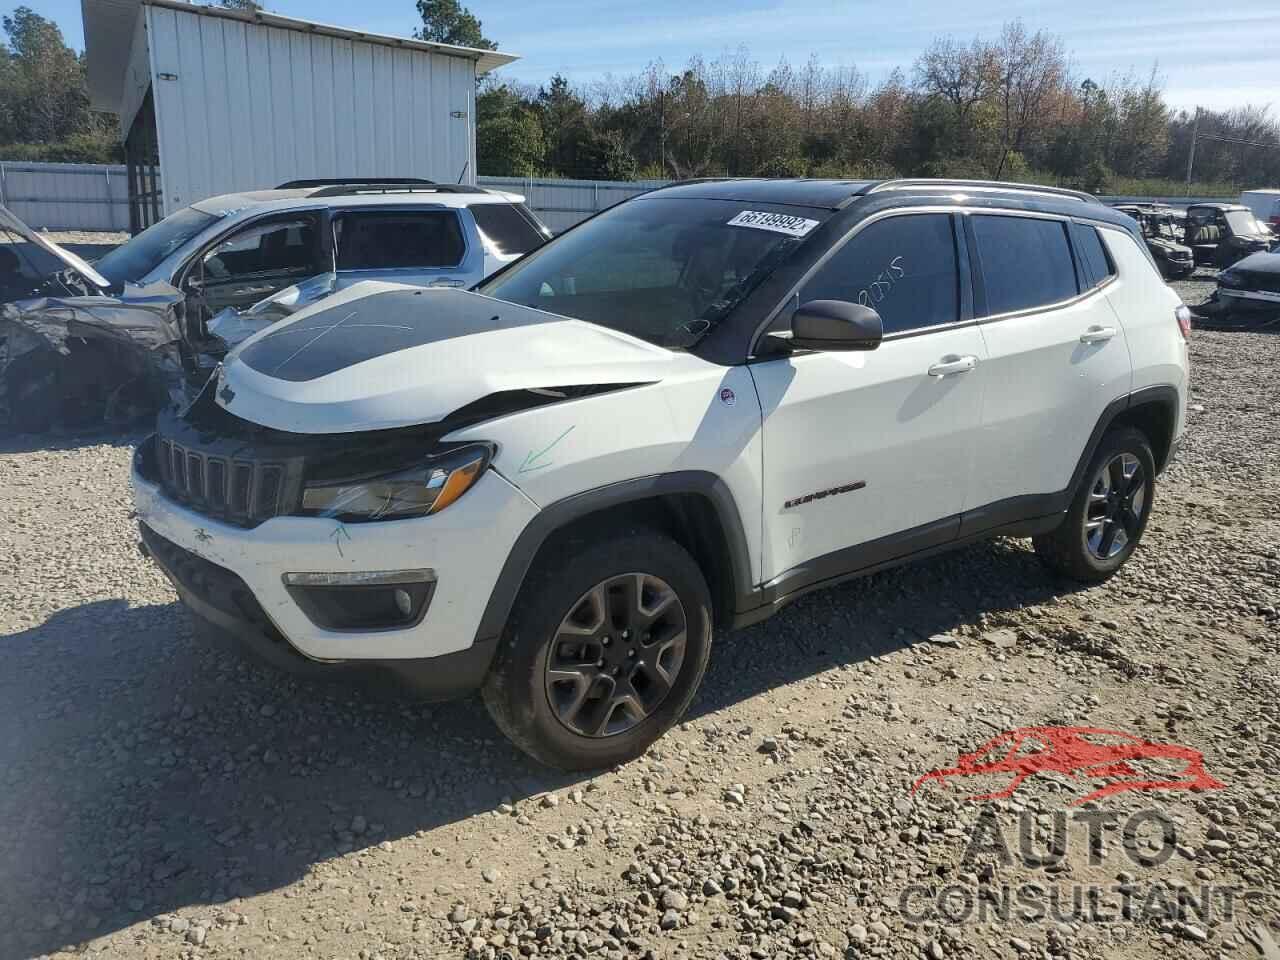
(1158, 225)
(132, 261)
(1244, 222)
(664, 270)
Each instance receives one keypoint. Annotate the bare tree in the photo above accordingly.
(1032, 69)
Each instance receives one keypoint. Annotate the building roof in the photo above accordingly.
(109, 27)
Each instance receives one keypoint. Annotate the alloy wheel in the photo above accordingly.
(616, 655)
(1113, 515)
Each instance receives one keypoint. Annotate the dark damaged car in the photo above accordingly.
(71, 347)
(1248, 295)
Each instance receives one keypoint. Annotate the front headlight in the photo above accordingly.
(417, 491)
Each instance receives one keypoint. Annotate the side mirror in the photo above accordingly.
(835, 325)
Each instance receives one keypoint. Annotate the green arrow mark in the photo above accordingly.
(531, 459)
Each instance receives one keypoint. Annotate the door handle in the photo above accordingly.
(1097, 334)
(953, 364)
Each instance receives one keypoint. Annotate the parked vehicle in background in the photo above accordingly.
(692, 408)
(1160, 231)
(1265, 205)
(1247, 297)
(219, 270)
(1219, 234)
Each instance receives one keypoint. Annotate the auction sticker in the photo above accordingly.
(777, 222)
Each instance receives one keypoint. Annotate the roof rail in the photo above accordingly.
(369, 188)
(348, 181)
(986, 186)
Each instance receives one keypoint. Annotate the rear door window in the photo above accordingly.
(903, 267)
(508, 231)
(1026, 262)
(390, 239)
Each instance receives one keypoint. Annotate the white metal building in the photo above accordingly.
(218, 101)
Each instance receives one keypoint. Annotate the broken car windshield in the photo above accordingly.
(664, 270)
(132, 261)
(26, 270)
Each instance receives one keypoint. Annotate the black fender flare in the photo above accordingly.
(558, 515)
(1159, 394)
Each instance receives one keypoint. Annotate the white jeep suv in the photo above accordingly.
(688, 410)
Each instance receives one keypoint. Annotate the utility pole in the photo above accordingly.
(662, 128)
(1191, 155)
(1196, 137)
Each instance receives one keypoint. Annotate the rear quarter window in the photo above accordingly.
(506, 228)
(1096, 264)
(1026, 262)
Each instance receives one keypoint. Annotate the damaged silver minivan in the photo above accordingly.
(81, 342)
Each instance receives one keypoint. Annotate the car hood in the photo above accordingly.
(89, 277)
(1168, 245)
(1258, 263)
(382, 355)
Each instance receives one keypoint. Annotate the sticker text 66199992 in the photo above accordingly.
(777, 222)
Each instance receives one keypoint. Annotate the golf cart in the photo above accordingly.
(1163, 237)
(1219, 234)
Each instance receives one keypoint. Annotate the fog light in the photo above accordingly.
(358, 578)
(363, 600)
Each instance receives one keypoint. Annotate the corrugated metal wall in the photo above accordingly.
(66, 196)
(251, 106)
(562, 203)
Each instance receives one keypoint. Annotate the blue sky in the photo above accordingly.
(1217, 55)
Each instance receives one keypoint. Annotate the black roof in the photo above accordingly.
(835, 194)
(347, 181)
(831, 194)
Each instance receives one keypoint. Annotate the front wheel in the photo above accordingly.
(604, 651)
(1109, 512)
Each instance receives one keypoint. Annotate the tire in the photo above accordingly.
(596, 594)
(1108, 513)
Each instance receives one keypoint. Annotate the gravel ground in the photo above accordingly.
(163, 798)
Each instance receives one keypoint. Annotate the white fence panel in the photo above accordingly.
(66, 196)
(562, 203)
(87, 196)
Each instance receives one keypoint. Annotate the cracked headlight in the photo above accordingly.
(416, 491)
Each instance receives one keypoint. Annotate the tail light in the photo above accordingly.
(1183, 315)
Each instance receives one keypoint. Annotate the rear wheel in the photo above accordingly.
(1109, 512)
(604, 651)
